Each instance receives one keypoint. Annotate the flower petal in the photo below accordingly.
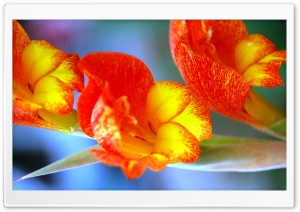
(264, 74)
(29, 114)
(251, 50)
(53, 95)
(156, 162)
(39, 58)
(132, 169)
(20, 40)
(176, 31)
(226, 34)
(85, 106)
(222, 88)
(109, 122)
(177, 143)
(124, 74)
(175, 102)
(223, 35)
(262, 110)
(165, 101)
(68, 73)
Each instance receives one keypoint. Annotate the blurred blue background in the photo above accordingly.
(34, 148)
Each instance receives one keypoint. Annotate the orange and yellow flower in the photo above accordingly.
(138, 123)
(44, 78)
(222, 63)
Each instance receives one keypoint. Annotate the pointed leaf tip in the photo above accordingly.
(81, 158)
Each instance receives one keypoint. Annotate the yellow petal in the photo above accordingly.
(196, 119)
(165, 101)
(53, 95)
(251, 50)
(68, 73)
(265, 73)
(65, 121)
(262, 110)
(40, 58)
(175, 102)
(177, 143)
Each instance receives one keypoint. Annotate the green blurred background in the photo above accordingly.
(148, 40)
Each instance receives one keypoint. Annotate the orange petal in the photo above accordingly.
(175, 102)
(177, 143)
(126, 76)
(108, 122)
(39, 58)
(110, 159)
(176, 31)
(132, 169)
(222, 88)
(53, 95)
(20, 40)
(252, 49)
(85, 106)
(221, 37)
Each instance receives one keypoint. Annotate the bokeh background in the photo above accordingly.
(34, 148)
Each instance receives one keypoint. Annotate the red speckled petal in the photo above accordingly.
(222, 88)
(220, 35)
(132, 169)
(125, 75)
(20, 40)
(176, 31)
(226, 34)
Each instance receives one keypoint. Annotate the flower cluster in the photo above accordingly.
(139, 123)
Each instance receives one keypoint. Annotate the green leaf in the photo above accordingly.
(217, 140)
(241, 157)
(78, 159)
(278, 129)
(221, 153)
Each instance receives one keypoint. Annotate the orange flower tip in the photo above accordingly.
(133, 169)
(26, 106)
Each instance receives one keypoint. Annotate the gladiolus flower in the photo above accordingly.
(138, 123)
(44, 78)
(222, 63)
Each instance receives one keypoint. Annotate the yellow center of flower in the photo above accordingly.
(176, 123)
